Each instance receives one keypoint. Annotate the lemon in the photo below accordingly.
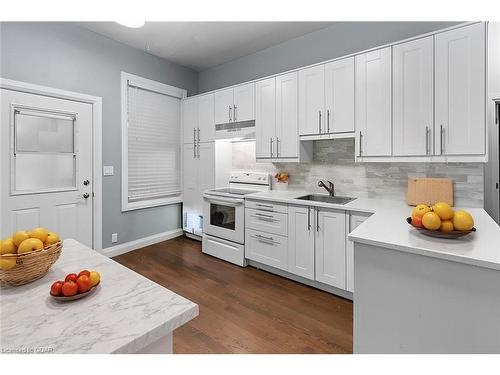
(446, 226)
(7, 246)
(52, 238)
(462, 220)
(7, 263)
(19, 237)
(420, 210)
(431, 221)
(40, 233)
(444, 210)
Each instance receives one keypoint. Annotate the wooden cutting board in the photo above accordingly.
(429, 191)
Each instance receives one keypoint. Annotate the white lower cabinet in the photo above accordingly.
(355, 219)
(301, 241)
(266, 248)
(330, 247)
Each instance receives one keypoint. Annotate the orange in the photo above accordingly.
(420, 210)
(446, 226)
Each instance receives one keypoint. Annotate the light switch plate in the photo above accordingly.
(108, 170)
(114, 237)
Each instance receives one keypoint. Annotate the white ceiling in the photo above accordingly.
(201, 45)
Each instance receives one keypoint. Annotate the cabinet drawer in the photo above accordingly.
(270, 222)
(265, 248)
(267, 206)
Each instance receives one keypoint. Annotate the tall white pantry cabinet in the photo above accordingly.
(198, 159)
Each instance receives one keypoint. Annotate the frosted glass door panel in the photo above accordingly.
(41, 172)
(42, 133)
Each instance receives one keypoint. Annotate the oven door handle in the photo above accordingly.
(223, 200)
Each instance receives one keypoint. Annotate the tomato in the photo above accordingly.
(55, 289)
(69, 288)
(83, 283)
(71, 277)
(84, 272)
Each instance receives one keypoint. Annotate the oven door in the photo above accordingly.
(224, 217)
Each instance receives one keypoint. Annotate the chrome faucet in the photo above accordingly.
(330, 188)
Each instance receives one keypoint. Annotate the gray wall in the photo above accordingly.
(338, 40)
(334, 160)
(69, 57)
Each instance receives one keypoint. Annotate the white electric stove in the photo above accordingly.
(224, 216)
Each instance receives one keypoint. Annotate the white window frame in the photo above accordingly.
(161, 88)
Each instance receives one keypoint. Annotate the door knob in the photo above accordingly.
(86, 182)
(86, 195)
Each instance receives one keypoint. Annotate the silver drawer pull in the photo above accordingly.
(262, 238)
(264, 205)
(259, 214)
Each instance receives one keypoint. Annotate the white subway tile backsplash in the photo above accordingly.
(334, 160)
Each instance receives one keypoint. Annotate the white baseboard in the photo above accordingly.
(141, 242)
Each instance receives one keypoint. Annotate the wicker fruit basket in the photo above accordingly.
(30, 266)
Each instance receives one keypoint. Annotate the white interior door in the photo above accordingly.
(46, 165)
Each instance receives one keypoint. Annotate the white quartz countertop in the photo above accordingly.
(388, 228)
(124, 315)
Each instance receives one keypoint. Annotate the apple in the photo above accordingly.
(417, 222)
(30, 244)
(71, 277)
(56, 288)
(40, 233)
(95, 278)
(83, 283)
(84, 272)
(69, 288)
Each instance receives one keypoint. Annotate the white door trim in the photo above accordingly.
(96, 103)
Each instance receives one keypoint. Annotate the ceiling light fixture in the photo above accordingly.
(135, 24)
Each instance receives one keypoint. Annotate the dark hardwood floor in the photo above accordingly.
(243, 310)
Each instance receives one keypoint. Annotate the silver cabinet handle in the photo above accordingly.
(328, 121)
(194, 143)
(271, 145)
(360, 142)
(264, 205)
(319, 121)
(234, 111)
(198, 135)
(309, 219)
(230, 114)
(317, 219)
(260, 237)
(442, 139)
(277, 147)
(427, 140)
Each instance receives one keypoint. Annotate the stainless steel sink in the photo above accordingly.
(326, 199)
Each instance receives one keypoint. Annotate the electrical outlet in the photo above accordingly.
(114, 237)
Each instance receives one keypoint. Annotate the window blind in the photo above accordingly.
(153, 144)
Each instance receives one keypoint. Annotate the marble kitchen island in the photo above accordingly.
(419, 294)
(128, 313)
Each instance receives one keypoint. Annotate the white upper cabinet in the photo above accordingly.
(190, 119)
(413, 97)
(243, 107)
(265, 118)
(235, 104)
(373, 103)
(206, 121)
(460, 91)
(287, 132)
(224, 106)
(339, 96)
(312, 100)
